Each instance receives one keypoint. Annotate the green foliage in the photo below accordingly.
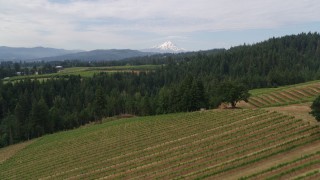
(99, 104)
(189, 95)
(10, 130)
(315, 108)
(232, 92)
(40, 118)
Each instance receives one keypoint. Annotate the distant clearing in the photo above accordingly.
(88, 71)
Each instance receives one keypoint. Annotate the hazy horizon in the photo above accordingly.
(127, 24)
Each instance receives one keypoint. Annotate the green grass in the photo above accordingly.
(182, 145)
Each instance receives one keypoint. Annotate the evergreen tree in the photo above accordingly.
(163, 101)
(99, 104)
(40, 118)
(9, 126)
(21, 113)
(185, 93)
(198, 97)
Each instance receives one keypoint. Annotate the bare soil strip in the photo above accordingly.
(299, 111)
(8, 152)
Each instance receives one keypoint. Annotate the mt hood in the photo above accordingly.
(166, 47)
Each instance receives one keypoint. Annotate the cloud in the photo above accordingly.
(113, 23)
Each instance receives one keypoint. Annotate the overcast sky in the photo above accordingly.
(139, 24)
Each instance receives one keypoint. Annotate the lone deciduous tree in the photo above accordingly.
(232, 92)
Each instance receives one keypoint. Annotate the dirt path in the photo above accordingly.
(299, 111)
(243, 104)
(273, 161)
(8, 152)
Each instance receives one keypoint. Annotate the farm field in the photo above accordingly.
(208, 144)
(303, 167)
(286, 95)
(88, 71)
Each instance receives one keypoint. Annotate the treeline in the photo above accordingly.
(30, 108)
(276, 62)
(9, 68)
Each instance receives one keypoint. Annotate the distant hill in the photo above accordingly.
(21, 53)
(99, 55)
(52, 54)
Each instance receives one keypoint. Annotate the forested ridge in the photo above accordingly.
(185, 82)
(278, 61)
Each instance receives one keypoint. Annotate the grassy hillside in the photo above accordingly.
(285, 95)
(215, 144)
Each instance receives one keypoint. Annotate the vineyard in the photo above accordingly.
(305, 167)
(207, 144)
(285, 95)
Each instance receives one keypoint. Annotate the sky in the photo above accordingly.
(139, 24)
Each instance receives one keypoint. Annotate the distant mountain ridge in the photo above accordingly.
(22, 53)
(99, 55)
(52, 54)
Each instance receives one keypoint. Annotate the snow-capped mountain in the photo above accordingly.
(166, 47)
